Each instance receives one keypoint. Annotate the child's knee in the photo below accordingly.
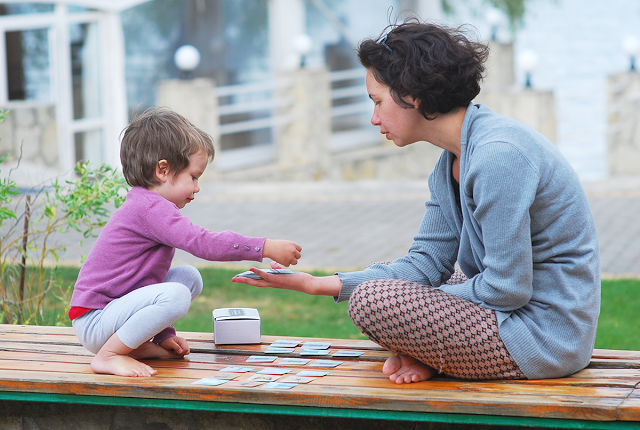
(189, 276)
(178, 299)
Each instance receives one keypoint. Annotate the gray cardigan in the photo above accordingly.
(525, 237)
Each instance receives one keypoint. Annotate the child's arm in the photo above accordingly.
(284, 252)
(177, 345)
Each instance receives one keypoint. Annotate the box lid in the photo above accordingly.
(236, 314)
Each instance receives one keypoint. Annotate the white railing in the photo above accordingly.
(247, 100)
(362, 133)
(259, 107)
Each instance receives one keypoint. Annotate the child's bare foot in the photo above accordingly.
(113, 359)
(150, 350)
(403, 369)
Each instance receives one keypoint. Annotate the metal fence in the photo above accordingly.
(251, 113)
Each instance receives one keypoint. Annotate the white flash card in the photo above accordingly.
(210, 381)
(272, 350)
(325, 363)
(278, 386)
(311, 373)
(235, 369)
(263, 378)
(294, 361)
(260, 359)
(274, 371)
(298, 379)
(316, 345)
(285, 343)
(347, 353)
(314, 352)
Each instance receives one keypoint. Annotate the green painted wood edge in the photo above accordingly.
(319, 412)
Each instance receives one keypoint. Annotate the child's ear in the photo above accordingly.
(162, 170)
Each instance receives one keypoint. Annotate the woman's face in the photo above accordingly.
(399, 124)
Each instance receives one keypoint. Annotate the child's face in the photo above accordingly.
(181, 188)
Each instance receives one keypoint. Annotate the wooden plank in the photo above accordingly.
(399, 399)
(50, 360)
(198, 336)
(338, 379)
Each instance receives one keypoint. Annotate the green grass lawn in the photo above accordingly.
(288, 313)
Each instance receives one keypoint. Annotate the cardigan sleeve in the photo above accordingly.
(499, 188)
(175, 230)
(432, 255)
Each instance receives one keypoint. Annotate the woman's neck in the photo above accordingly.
(444, 131)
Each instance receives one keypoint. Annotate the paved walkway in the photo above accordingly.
(351, 224)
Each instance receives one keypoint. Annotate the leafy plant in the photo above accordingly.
(515, 10)
(32, 231)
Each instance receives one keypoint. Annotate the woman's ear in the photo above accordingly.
(162, 170)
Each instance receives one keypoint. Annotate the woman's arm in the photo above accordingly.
(299, 281)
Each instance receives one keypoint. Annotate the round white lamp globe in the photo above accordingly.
(528, 61)
(302, 43)
(493, 16)
(631, 46)
(187, 58)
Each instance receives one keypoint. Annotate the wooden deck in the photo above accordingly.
(47, 364)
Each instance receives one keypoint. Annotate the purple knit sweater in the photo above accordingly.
(136, 247)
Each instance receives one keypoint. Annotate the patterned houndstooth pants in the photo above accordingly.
(454, 336)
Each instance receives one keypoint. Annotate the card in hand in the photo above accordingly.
(250, 274)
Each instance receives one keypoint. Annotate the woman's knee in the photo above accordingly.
(363, 301)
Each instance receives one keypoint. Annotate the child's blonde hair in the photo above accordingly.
(160, 134)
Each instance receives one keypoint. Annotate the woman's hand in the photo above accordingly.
(299, 281)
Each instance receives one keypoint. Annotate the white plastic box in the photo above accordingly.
(236, 326)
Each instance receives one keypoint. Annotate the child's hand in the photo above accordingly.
(177, 345)
(284, 252)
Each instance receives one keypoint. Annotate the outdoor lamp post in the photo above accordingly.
(528, 61)
(631, 46)
(302, 44)
(493, 17)
(187, 59)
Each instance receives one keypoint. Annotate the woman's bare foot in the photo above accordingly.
(113, 359)
(403, 369)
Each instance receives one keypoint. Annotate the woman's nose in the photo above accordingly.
(375, 120)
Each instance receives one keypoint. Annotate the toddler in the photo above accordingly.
(127, 294)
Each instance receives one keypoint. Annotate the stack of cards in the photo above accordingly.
(250, 274)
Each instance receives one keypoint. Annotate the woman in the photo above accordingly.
(505, 205)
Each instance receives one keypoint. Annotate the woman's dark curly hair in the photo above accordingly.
(436, 65)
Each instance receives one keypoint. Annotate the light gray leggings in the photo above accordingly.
(143, 313)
